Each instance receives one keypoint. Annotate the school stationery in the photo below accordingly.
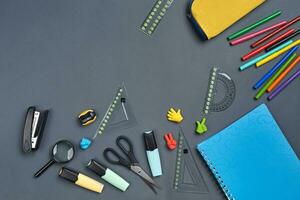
(211, 18)
(253, 26)
(87, 117)
(284, 85)
(108, 175)
(113, 157)
(152, 153)
(276, 54)
(270, 35)
(220, 96)
(33, 129)
(262, 48)
(118, 116)
(155, 15)
(283, 40)
(81, 180)
(257, 33)
(62, 152)
(251, 159)
(187, 177)
(277, 73)
(283, 74)
(255, 60)
(274, 69)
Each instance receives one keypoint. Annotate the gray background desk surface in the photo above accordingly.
(69, 55)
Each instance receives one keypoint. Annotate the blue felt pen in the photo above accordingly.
(274, 69)
(152, 153)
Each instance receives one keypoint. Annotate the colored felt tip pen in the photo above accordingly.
(270, 35)
(276, 54)
(280, 70)
(152, 153)
(108, 175)
(253, 26)
(81, 180)
(257, 33)
(255, 60)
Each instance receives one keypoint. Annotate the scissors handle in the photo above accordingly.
(115, 158)
(128, 151)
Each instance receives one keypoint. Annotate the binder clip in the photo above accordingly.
(33, 129)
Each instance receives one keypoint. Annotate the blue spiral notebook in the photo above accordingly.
(251, 159)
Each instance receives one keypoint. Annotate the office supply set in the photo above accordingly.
(272, 82)
(63, 151)
(237, 156)
(265, 169)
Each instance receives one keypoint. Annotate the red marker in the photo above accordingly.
(260, 49)
(171, 143)
(265, 38)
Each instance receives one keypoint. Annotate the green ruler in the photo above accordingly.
(154, 17)
(188, 178)
(220, 95)
(220, 92)
(118, 115)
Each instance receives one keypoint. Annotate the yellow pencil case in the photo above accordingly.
(212, 17)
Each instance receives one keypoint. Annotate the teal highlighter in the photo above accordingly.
(108, 175)
(152, 153)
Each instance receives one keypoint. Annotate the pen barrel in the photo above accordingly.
(115, 180)
(81, 180)
(252, 26)
(252, 35)
(108, 175)
(152, 153)
(89, 183)
(154, 162)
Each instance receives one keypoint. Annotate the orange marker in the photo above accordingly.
(283, 74)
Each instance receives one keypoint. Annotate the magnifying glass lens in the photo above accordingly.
(63, 152)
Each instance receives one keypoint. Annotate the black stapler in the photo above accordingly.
(33, 129)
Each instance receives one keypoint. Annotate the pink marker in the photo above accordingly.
(262, 31)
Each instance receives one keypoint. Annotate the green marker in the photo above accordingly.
(108, 175)
(263, 89)
(253, 26)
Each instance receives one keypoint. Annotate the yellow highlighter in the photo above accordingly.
(81, 180)
(276, 54)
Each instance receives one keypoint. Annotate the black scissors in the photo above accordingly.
(132, 163)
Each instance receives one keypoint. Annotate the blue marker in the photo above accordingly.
(152, 153)
(255, 60)
(274, 69)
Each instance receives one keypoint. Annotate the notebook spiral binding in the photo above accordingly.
(217, 176)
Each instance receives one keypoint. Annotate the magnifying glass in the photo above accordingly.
(62, 152)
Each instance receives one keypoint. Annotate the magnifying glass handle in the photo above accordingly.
(46, 166)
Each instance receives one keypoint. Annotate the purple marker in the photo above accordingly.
(283, 85)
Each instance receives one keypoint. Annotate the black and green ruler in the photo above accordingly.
(155, 15)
